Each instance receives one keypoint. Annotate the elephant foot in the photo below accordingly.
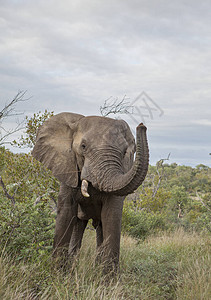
(110, 267)
(60, 258)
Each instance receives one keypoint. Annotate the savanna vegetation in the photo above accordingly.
(165, 248)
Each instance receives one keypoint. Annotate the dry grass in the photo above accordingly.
(169, 266)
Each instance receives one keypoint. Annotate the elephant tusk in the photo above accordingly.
(84, 187)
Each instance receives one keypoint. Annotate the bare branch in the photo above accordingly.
(10, 132)
(9, 108)
(179, 212)
(115, 106)
(202, 202)
(160, 174)
(6, 192)
(9, 111)
(161, 161)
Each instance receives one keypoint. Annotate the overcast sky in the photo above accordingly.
(73, 55)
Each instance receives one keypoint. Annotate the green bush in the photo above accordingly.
(27, 201)
(26, 229)
(141, 224)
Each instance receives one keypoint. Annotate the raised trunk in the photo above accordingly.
(124, 184)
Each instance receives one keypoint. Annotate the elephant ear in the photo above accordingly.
(53, 147)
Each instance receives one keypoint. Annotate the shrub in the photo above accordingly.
(26, 229)
(141, 224)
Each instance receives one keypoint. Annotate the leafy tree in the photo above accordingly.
(181, 196)
(32, 125)
(27, 197)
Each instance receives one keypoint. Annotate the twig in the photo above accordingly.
(9, 132)
(9, 111)
(9, 108)
(6, 192)
(115, 107)
(199, 198)
(160, 174)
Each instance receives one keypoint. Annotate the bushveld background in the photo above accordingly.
(165, 247)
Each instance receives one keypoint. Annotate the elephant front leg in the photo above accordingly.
(99, 232)
(76, 237)
(111, 225)
(65, 220)
(99, 239)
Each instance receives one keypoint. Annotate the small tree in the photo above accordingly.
(32, 124)
(27, 198)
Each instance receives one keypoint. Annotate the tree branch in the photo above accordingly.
(10, 132)
(9, 108)
(202, 202)
(9, 111)
(160, 174)
(6, 192)
(115, 107)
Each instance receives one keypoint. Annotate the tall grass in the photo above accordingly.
(169, 266)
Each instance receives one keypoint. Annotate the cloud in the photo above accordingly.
(72, 55)
(203, 122)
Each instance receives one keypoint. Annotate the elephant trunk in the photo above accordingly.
(113, 180)
(127, 183)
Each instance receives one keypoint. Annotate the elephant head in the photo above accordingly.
(93, 150)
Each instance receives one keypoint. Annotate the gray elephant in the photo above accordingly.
(93, 158)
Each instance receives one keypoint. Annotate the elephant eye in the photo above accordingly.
(83, 146)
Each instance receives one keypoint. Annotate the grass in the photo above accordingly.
(168, 266)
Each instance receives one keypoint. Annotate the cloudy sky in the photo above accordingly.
(72, 55)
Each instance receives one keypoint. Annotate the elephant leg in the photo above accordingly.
(76, 237)
(111, 223)
(99, 232)
(65, 220)
(99, 239)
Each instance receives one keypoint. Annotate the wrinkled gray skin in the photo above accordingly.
(93, 158)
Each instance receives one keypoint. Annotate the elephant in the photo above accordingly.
(93, 159)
